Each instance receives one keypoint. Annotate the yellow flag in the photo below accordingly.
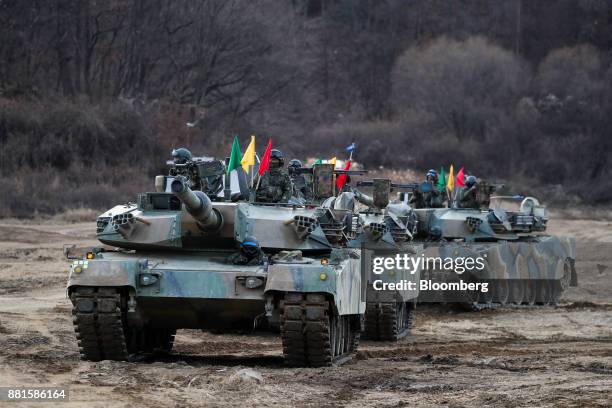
(248, 159)
(451, 179)
(332, 161)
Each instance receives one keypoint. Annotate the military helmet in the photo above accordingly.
(250, 245)
(295, 163)
(433, 174)
(181, 155)
(435, 232)
(278, 155)
(470, 181)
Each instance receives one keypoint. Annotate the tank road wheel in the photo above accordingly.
(102, 331)
(487, 297)
(529, 297)
(502, 291)
(389, 321)
(156, 340)
(561, 285)
(469, 301)
(555, 291)
(313, 334)
(395, 320)
(566, 279)
(544, 292)
(517, 291)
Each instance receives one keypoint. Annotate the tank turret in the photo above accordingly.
(198, 205)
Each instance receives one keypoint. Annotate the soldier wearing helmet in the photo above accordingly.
(430, 197)
(275, 185)
(184, 165)
(301, 188)
(468, 197)
(181, 155)
(249, 253)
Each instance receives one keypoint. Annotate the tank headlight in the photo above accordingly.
(148, 279)
(90, 255)
(323, 276)
(253, 282)
(77, 269)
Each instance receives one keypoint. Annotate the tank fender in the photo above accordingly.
(102, 272)
(342, 282)
(301, 278)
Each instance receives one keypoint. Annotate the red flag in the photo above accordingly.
(341, 181)
(460, 178)
(264, 165)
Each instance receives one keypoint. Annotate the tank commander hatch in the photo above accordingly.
(301, 189)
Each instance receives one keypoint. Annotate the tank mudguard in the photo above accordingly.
(342, 282)
(101, 272)
(541, 258)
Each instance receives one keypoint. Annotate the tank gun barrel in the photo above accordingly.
(406, 186)
(198, 205)
(364, 198)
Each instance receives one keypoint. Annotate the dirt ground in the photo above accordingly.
(513, 356)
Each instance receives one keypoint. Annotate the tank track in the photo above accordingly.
(102, 331)
(312, 335)
(98, 324)
(388, 321)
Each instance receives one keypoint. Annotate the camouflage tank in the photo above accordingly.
(509, 250)
(166, 266)
(388, 229)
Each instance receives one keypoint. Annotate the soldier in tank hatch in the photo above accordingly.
(468, 197)
(432, 198)
(275, 185)
(249, 253)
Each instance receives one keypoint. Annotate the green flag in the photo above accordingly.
(442, 180)
(318, 161)
(235, 156)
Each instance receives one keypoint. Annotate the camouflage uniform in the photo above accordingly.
(435, 198)
(468, 199)
(431, 199)
(274, 187)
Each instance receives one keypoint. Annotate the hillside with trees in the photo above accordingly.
(95, 94)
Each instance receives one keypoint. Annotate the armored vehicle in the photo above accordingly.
(388, 230)
(504, 246)
(169, 262)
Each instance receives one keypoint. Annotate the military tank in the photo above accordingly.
(166, 266)
(508, 249)
(387, 230)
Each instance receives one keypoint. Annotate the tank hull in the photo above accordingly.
(203, 291)
(535, 261)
